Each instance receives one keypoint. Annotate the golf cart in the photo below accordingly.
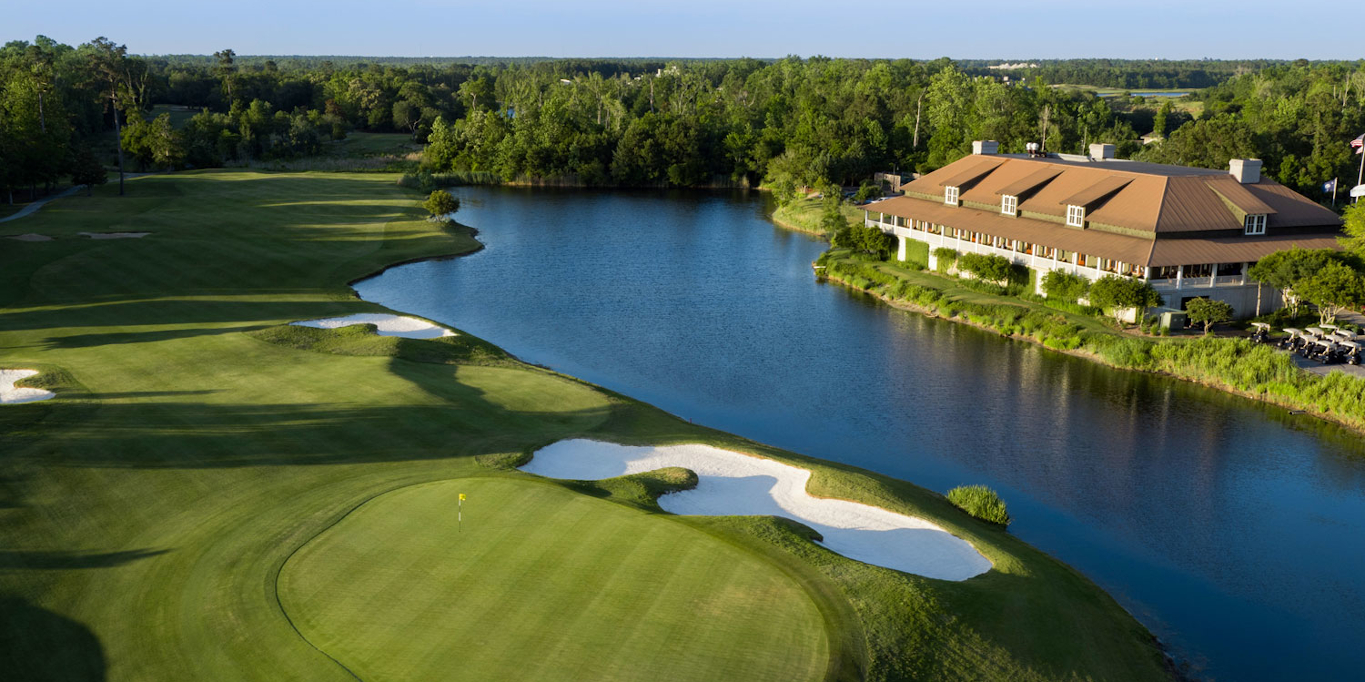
(1260, 332)
(1294, 338)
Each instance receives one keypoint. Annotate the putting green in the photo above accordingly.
(543, 584)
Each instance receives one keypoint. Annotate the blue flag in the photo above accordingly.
(1330, 185)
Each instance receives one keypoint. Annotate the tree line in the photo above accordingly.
(788, 123)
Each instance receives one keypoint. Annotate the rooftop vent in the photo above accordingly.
(1034, 149)
(1100, 152)
(985, 147)
(1247, 171)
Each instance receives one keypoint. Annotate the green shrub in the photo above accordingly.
(989, 268)
(1064, 286)
(441, 204)
(1123, 293)
(947, 258)
(868, 240)
(916, 254)
(868, 190)
(1208, 312)
(981, 502)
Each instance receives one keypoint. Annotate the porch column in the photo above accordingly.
(1179, 277)
(1245, 267)
(900, 248)
(1213, 277)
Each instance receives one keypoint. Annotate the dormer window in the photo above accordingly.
(1075, 216)
(1254, 224)
(950, 196)
(1009, 205)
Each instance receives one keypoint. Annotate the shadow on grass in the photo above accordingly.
(37, 645)
(190, 434)
(21, 560)
(117, 338)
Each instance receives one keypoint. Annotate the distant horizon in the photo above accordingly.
(718, 29)
(659, 58)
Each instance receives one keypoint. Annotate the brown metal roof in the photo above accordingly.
(1092, 242)
(1233, 249)
(1291, 209)
(1097, 191)
(1156, 198)
(1190, 206)
(967, 172)
(1029, 181)
(1238, 194)
(1154, 251)
(1135, 207)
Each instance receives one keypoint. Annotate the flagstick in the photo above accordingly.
(459, 518)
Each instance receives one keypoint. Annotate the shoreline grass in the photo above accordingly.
(804, 215)
(1233, 365)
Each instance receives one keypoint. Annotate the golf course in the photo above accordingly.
(215, 493)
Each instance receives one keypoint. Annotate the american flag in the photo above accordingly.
(1359, 144)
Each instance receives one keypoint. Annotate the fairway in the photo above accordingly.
(593, 590)
(201, 452)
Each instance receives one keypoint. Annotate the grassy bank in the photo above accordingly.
(1235, 365)
(803, 215)
(172, 513)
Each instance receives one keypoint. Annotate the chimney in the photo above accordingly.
(1100, 152)
(1247, 171)
(985, 147)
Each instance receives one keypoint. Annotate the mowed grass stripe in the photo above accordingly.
(543, 584)
(142, 533)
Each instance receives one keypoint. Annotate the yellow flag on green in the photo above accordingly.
(462, 497)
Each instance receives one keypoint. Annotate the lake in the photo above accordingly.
(1145, 94)
(1233, 530)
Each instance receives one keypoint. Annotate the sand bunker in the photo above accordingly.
(11, 394)
(31, 237)
(734, 484)
(389, 325)
(115, 235)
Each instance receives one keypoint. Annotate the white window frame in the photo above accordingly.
(1254, 224)
(950, 196)
(1075, 215)
(1009, 204)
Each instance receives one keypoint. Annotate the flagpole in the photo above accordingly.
(1360, 174)
(1334, 192)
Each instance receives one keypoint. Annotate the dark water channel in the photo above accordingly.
(1235, 531)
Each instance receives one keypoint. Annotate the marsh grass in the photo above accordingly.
(981, 502)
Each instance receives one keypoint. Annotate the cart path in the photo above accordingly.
(34, 206)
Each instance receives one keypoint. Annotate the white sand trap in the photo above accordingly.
(389, 325)
(11, 394)
(31, 237)
(115, 235)
(734, 484)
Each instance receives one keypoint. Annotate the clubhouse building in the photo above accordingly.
(1190, 232)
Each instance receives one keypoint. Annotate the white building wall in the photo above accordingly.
(1237, 290)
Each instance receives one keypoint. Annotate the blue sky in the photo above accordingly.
(987, 29)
